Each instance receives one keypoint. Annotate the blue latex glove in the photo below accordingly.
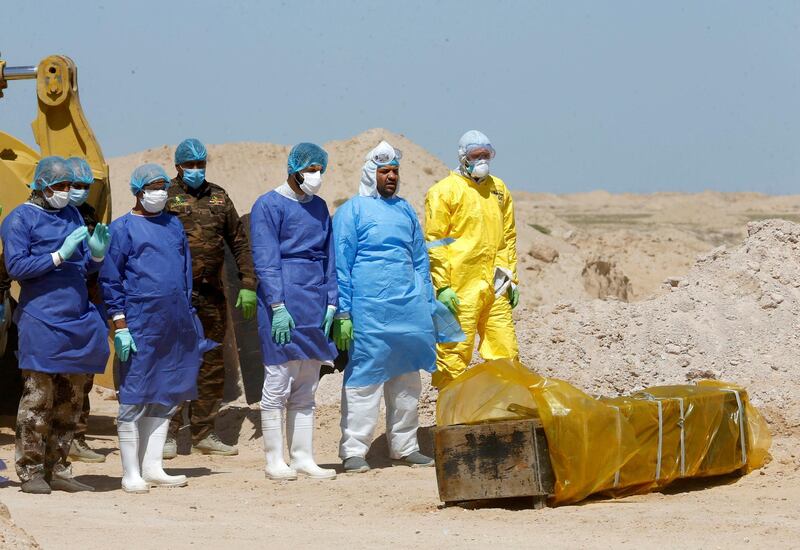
(282, 325)
(124, 344)
(327, 321)
(72, 241)
(100, 240)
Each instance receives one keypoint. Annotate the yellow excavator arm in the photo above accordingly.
(60, 128)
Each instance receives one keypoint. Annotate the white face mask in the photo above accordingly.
(59, 199)
(312, 181)
(480, 169)
(154, 201)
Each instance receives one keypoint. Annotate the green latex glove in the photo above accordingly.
(72, 241)
(448, 297)
(513, 296)
(100, 241)
(282, 325)
(247, 301)
(124, 344)
(343, 333)
(327, 321)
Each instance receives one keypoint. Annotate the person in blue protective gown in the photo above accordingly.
(292, 242)
(385, 315)
(62, 336)
(147, 287)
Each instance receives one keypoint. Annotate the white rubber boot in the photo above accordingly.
(300, 436)
(153, 432)
(132, 481)
(272, 430)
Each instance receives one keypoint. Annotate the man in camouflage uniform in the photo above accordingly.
(50, 404)
(210, 221)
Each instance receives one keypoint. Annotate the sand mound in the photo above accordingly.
(733, 317)
(11, 536)
(247, 170)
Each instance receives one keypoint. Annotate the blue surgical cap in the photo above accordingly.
(146, 174)
(190, 149)
(50, 171)
(81, 170)
(304, 155)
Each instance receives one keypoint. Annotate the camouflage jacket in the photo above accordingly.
(210, 221)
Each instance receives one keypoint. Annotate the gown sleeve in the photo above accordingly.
(20, 263)
(507, 255)
(265, 222)
(437, 226)
(346, 246)
(419, 254)
(331, 287)
(112, 271)
(187, 264)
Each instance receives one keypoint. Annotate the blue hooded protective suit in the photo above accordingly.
(294, 261)
(147, 276)
(385, 285)
(60, 330)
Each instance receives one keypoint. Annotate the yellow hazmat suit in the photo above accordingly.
(480, 217)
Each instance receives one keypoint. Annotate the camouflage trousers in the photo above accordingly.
(212, 311)
(83, 420)
(48, 411)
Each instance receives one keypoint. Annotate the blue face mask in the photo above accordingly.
(194, 177)
(78, 196)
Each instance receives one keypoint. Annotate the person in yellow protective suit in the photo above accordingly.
(472, 239)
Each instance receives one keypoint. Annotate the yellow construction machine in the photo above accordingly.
(60, 128)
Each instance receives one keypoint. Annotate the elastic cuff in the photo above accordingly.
(276, 305)
(118, 316)
(118, 330)
(331, 307)
(342, 315)
(98, 260)
(57, 259)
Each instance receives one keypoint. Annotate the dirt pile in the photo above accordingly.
(733, 317)
(247, 170)
(603, 279)
(11, 536)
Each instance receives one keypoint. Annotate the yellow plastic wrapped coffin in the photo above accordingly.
(618, 446)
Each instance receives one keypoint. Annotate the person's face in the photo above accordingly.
(79, 186)
(387, 178)
(190, 165)
(60, 186)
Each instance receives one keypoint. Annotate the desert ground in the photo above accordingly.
(619, 292)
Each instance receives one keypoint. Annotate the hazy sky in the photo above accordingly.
(632, 96)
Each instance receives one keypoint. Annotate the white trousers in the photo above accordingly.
(290, 386)
(360, 407)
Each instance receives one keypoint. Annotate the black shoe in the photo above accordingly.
(36, 486)
(414, 460)
(355, 465)
(69, 485)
